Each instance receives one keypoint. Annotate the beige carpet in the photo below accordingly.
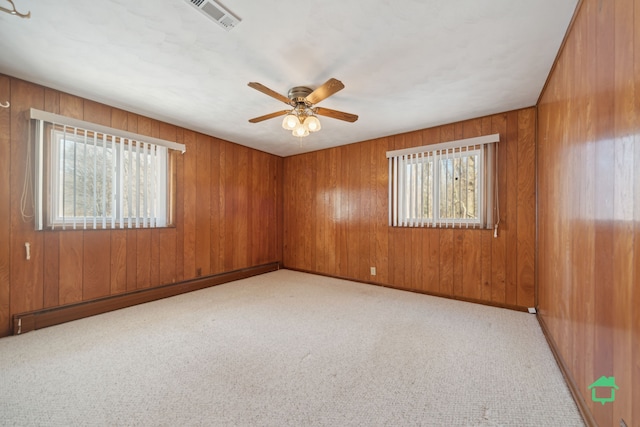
(288, 349)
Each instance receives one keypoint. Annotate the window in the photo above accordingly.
(443, 185)
(89, 177)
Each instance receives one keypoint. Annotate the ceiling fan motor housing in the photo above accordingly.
(298, 95)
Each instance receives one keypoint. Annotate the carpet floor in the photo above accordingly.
(288, 349)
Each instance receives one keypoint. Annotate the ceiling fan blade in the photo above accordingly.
(336, 114)
(262, 88)
(269, 116)
(330, 87)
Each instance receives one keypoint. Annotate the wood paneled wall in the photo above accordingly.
(336, 218)
(589, 205)
(229, 214)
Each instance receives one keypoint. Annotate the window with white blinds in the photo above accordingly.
(89, 176)
(444, 185)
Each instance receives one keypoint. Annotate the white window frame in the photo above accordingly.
(152, 204)
(405, 203)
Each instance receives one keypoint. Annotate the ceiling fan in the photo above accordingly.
(301, 118)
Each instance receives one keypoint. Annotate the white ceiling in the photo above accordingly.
(406, 64)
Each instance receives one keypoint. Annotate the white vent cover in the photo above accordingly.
(217, 13)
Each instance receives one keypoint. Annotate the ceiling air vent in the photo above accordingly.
(217, 13)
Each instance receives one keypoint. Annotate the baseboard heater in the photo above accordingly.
(38, 319)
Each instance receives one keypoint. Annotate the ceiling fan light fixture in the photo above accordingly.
(290, 121)
(312, 123)
(300, 131)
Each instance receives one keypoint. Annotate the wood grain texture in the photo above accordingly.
(355, 213)
(278, 240)
(5, 207)
(498, 246)
(634, 302)
(96, 279)
(180, 216)
(320, 204)
(342, 206)
(143, 259)
(51, 238)
(51, 297)
(241, 207)
(380, 240)
(525, 208)
(132, 234)
(203, 206)
(26, 276)
(605, 187)
(189, 203)
(589, 205)
(509, 227)
(118, 262)
(72, 266)
(151, 128)
(336, 218)
(229, 180)
(625, 126)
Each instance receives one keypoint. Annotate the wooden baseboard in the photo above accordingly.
(587, 416)
(434, 294)
(38, 319)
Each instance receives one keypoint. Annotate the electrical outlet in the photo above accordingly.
(373, 271)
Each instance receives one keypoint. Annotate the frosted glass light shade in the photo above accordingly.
(290, 121)
(312, 123)
(300, 131)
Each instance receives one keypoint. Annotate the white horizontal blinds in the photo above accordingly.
(101, 180)
(443, 185)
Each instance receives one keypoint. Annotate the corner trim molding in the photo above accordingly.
(38, 319)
